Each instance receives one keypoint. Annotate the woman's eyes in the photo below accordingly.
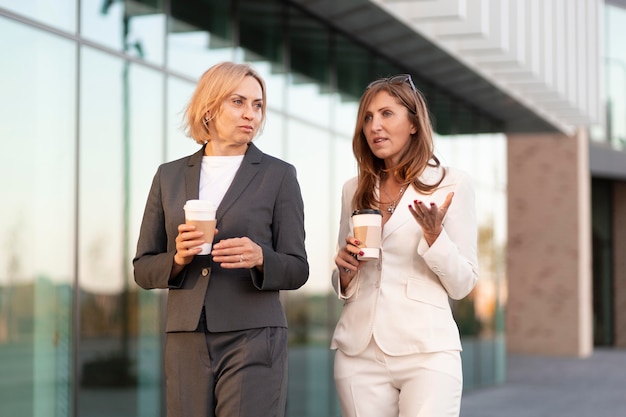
(385, 113)
(239, 102)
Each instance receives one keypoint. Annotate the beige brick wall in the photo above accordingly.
(619, 261)
(549, 306)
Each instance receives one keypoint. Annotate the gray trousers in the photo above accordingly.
(231, 374)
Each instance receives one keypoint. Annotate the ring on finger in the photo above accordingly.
(241, 259)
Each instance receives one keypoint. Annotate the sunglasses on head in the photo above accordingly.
(395, 79)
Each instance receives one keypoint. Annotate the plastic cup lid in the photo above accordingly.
(366, 211)
(199, 205)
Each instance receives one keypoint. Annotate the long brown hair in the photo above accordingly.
(217, 83)
(418, 156)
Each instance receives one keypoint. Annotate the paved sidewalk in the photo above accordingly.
(539, 386)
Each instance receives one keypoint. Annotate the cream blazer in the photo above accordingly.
(402, 298)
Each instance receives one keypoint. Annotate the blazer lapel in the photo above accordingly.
(247, 171)
(401, 215)
(192, 175)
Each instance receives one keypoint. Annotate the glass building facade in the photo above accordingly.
(92, 98)
(606, 188)
(615, 74)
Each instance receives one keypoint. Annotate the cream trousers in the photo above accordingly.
(373, 384)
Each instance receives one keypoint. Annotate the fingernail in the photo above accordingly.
(432, 203)
(361, 253)
(356, 242)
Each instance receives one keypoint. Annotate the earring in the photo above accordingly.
(205, 121)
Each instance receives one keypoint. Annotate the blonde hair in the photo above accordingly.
(419, 153)
(215, 85)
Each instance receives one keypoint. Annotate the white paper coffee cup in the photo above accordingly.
(367, 226)
(201, 213)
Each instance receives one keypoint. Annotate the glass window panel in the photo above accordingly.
(344, 113)
(199, 36)
(350, 84)
(145, 146)
(309, 310)
(275, 78)
(465, 119)
(344, 167)
(213, 16)
(135, 27)
(146, 36)
(382, 68)
(103, 22)
(309, 49)
(441, 113)
(272, 139)
(189, 52)
(308, 148)
(60, 14)
(615, 73)
(350, 57)
(480, 314)
(177, 143)
(304, 101)
(105, 359)
(262, 29)
(309, 43)
(37, 179)
(604, 325)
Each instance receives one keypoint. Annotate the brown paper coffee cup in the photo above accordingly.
(201, 213)
(367, 226)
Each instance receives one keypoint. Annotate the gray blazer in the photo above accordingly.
(263, 203)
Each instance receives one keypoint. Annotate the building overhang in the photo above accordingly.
(468, 54)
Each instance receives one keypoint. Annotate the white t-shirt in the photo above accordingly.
(216, 175)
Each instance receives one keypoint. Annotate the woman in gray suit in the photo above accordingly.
(398, 346)
(226, 332)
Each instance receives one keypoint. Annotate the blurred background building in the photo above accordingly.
(528, 96)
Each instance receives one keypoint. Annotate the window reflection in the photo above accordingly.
(104, 359)
(60, 14)
(272, 141)
(199, 36)
(37, 158)
(133, 27)
(177, 143)
(480, 315)
(145, 146)
(615, 73)
(312, 311)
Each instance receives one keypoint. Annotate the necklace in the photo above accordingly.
(392, 205)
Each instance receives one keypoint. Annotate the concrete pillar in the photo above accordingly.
(549, 307)
(619, 261)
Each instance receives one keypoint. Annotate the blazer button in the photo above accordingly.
(205, 272)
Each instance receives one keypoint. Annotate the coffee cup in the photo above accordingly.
(367, 226)
(201, 213)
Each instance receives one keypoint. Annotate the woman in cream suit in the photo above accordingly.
(398, 346)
